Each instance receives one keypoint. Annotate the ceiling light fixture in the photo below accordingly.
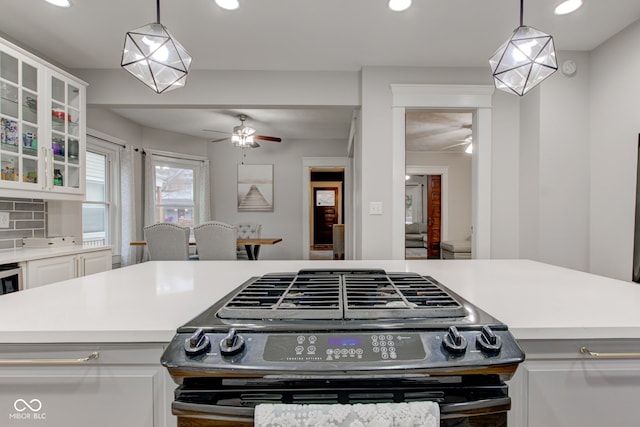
(567, 7)
(243, 135)
(228, 4)
(155, 58)
(59, 3)
(523, 61)
(399, 5)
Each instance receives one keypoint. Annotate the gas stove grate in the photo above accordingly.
(347, 295)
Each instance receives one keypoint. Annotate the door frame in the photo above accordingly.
(443, 171)
(348, 212)
(476, 98)
(331, 184)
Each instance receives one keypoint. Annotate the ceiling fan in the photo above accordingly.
(244, 136)
(468, 141)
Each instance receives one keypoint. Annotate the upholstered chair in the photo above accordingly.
(216, 240)
(247, 230)
(167, 242)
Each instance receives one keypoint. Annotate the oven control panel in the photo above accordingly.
(367, 347)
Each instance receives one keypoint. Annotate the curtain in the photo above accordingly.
(127, 205)
(149, 191)
(204, 210)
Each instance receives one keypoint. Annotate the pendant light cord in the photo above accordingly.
(158, 10)
(521, 12)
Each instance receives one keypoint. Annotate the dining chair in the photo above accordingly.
(247, 230)
(167, 242)
(216, 240)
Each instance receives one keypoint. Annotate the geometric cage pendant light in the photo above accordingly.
(155, 57)
(523, 61)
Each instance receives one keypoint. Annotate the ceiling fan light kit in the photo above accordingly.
(155, 57)
(523, 61)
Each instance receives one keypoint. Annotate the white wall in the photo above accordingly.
(376, 151)
(286, 219)
(614, 129)
(459, 191)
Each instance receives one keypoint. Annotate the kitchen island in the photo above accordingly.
(126, 317)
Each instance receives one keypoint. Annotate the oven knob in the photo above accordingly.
(197, 343)
(454, 342)
(232, 343)
(488, 341)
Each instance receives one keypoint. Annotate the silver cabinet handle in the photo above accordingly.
(585, 350)
(16, 362)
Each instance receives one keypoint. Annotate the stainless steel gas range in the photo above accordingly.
(341, 337)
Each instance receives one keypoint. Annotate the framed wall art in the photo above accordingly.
(255, 188)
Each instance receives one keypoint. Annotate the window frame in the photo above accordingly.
(112, 153)
(173, 161)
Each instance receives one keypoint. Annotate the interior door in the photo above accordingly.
(325, 214)
(434, 185)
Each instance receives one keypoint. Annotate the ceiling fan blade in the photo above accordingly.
(267, 138)
(221, 139)
(216, 131)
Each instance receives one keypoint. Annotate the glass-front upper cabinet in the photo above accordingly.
(19, 122)
(65, 133)
(42, 130)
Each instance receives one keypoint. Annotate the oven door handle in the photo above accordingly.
(475, 407)
(447, 411)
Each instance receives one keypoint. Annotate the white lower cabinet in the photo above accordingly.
(124, 386)
(557, 386)
(50, 270)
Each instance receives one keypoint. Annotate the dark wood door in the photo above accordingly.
(325, 214)
(433, 215)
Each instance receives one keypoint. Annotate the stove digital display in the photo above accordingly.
(344, 341)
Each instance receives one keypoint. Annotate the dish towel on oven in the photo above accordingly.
(411, 414)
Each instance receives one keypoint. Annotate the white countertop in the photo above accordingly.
(8, 256)
(147, 302)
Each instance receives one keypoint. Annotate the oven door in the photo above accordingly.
(464, 401)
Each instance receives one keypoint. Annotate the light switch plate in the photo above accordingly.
(4, 219)
(375, 208)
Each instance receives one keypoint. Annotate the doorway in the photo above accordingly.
(476, 99)
(326, 209)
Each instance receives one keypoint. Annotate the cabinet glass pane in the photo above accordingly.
(29, 77)
(8, 99)
(8, 67)
(9, 135)
(73, 97)
(9, 165)
(73, 176)
(58, 174)
(57, 90)
(29, 140)
(29, 107)
(29, 170)
(72, 150)
(73, 126)
(58, 116)
(58, 146)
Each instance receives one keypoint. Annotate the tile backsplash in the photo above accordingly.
(27, 218)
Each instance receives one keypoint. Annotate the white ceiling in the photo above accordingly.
(300, 35)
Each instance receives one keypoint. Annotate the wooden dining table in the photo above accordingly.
(251, 245)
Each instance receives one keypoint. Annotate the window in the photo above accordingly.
(99, 211)
(177, 196)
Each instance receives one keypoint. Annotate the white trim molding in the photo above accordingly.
(475, 98)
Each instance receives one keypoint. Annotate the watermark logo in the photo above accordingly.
(27, 410)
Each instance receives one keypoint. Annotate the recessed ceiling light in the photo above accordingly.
(567, 6)
(60, 3)
(228, 4)
(399, 5)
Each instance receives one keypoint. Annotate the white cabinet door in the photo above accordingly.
(120, 388)
(557, 386)
(50, 270)
(95, 262)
